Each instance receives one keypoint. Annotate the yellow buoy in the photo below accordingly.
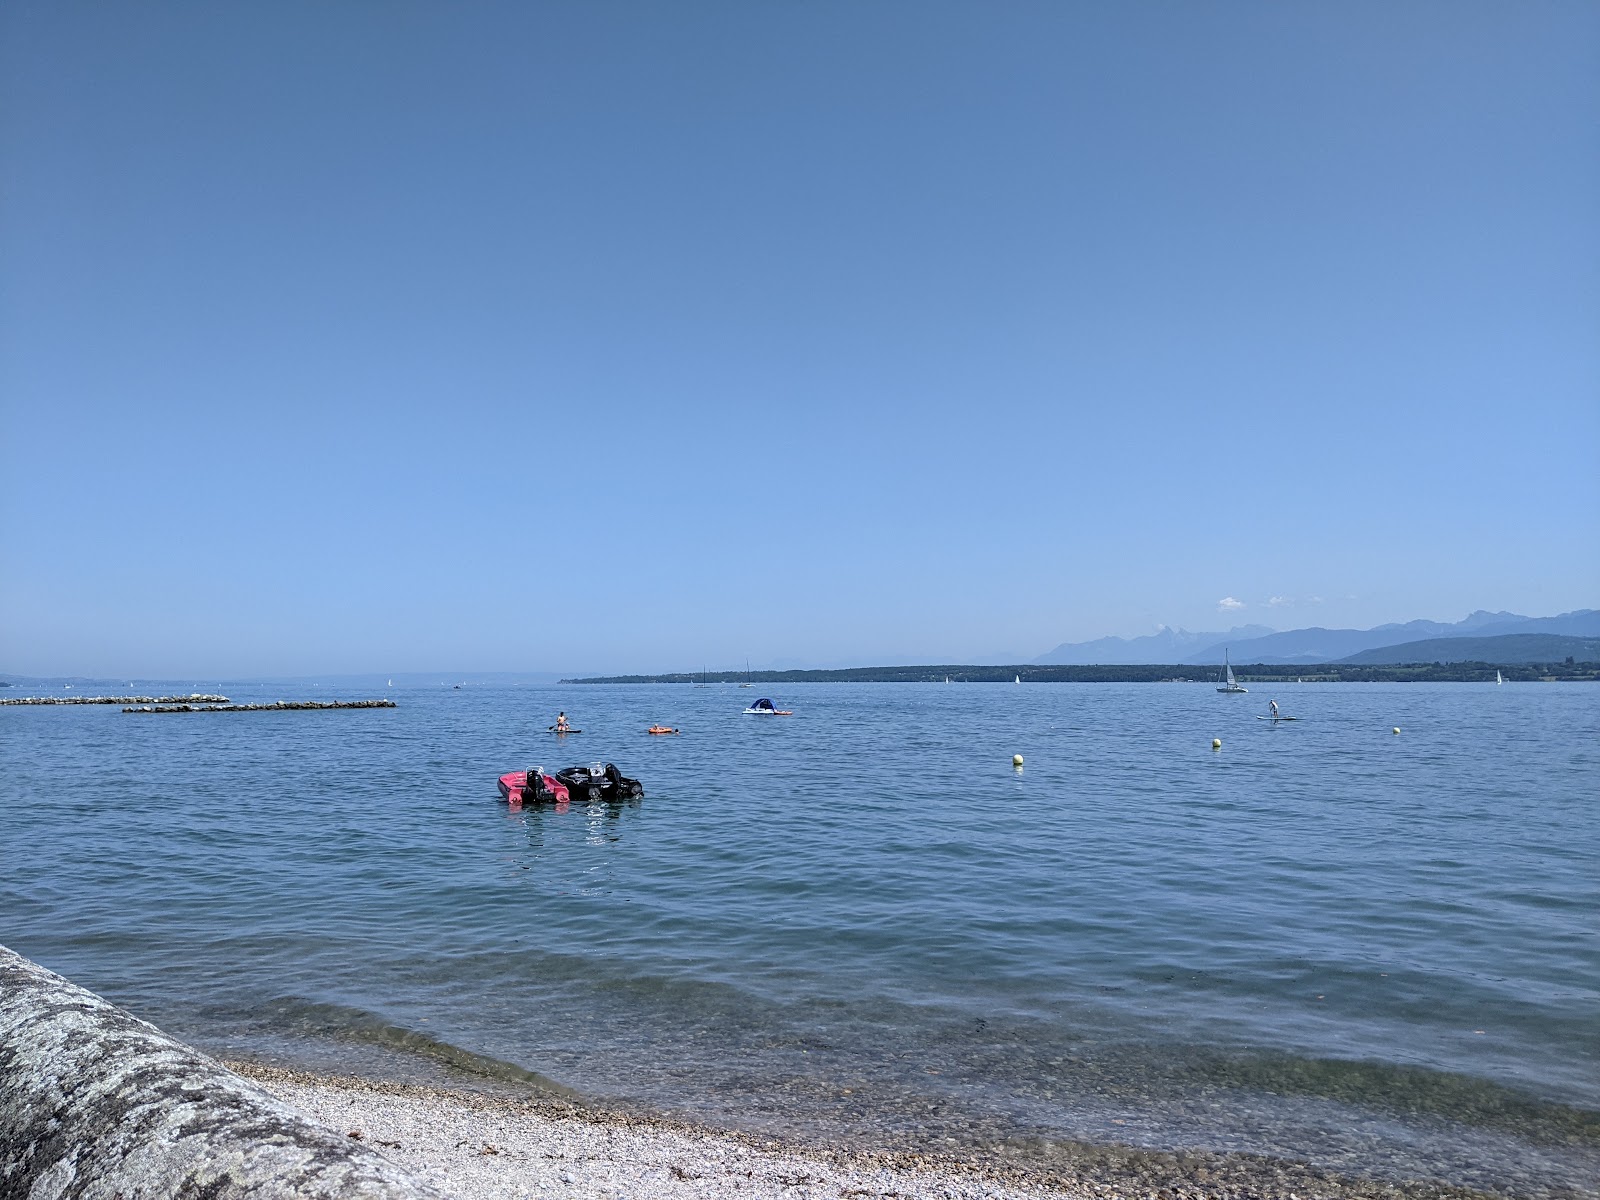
(1016, 760)
(1216, 743)
(1397, 729)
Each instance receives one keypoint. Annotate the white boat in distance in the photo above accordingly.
(1232, 684)
(1498, 678)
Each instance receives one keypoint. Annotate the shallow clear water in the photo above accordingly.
(1325, 941)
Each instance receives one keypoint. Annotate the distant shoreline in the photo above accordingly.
(1462, 672)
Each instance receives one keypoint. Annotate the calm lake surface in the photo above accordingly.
(1378, 953)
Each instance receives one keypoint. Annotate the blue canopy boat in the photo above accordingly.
(765, 708)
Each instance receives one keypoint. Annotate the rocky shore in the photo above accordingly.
(193, 698)
(94, 1102)
(276, 706)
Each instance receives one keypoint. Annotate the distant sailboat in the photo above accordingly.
(391, 683)
(1231, 684)
(1018, 679)
(746, 682)
(1498, 678)
(947, 679)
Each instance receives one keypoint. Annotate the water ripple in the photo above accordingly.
(1323, 941)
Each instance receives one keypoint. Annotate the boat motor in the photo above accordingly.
(622, 788)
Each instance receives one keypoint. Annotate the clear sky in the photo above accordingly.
(631, 336)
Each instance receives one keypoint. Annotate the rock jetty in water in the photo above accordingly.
(276, 706)
(192, 698)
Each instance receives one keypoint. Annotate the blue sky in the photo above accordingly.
(598, 336)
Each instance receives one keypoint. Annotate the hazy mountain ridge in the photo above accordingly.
(1318, 645)
(1259, 644)
(1503, 649)
(1167, 645)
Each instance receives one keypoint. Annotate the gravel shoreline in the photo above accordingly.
(490, 1147)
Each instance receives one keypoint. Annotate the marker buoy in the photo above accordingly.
(1016, 760)
(1216, 743)
(1397, 729)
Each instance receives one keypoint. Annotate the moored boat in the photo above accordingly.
(532, 786)
(599, 781)
(765, 708)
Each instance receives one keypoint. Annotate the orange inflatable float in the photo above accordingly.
(661, 729)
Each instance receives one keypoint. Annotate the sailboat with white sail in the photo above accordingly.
(1498, 678)
(1230, 684)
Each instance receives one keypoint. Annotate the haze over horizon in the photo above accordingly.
(340, 339)
(448, 672)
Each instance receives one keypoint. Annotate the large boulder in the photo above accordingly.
(97, 1104)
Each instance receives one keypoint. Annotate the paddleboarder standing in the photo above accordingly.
(561, 723)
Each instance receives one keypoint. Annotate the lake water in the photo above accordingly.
(1376, 953)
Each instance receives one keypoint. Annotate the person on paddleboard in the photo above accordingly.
(562, 724)
(1273, 705)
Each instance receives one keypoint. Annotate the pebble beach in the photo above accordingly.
(491, 1147)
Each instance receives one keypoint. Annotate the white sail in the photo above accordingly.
(1498, 678)
(1232, 685)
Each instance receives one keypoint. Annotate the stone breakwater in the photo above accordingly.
(276, 706)
(96, 1103)
(193, 698)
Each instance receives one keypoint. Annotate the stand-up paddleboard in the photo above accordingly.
(562, 732)
(1275, 720)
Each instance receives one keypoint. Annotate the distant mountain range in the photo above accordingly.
(1168, 645)
(1257, 644)
(1503, 650)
